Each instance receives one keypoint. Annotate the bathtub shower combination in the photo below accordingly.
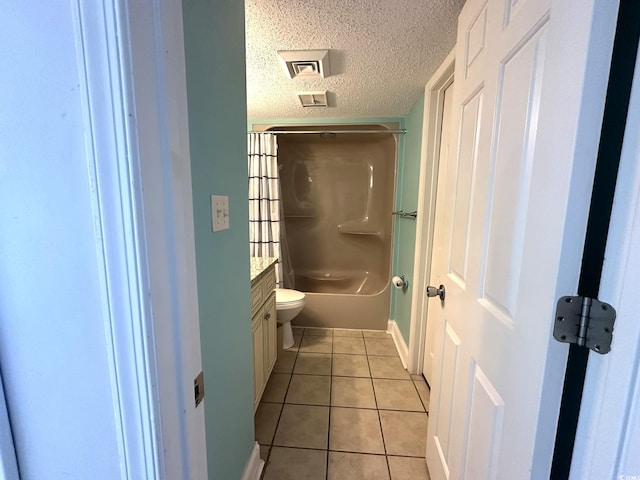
(337, 195)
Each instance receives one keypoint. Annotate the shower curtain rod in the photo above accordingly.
(288, 132)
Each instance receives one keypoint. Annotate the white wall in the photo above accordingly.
(54, 355)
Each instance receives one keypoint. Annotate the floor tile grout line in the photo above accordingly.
(273, 437)
(326, 471)
(375, 397)
(275, 430)
(354, 452)
(347, 407)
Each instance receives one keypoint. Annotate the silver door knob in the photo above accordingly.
(436, 292)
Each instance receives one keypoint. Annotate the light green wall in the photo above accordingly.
(214, 47)
(405, 231)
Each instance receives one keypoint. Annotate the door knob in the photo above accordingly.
(436, 292)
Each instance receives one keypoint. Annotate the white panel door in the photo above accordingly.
(434, 326)
(501, 232)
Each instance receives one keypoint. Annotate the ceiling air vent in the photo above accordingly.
(305, 63)
(313, 99)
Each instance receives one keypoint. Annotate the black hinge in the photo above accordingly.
(585, 321)
(198, 388)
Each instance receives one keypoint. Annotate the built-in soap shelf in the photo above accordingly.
(300, 211)
(359, 227)
(299, 215)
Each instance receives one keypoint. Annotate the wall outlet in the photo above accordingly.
(219, 212)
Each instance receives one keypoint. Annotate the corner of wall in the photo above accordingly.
(405, 231)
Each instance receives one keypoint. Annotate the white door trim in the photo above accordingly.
(119, 222)
(131, 57)
(608, 436)
(431, 128)
(156, 42)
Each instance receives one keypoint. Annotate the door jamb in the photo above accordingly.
(119, 224)
(613, 133)
(429, 159)
(144, 236)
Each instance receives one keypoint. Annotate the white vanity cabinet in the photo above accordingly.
(263, 326)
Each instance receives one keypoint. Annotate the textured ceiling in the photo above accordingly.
(382, 53)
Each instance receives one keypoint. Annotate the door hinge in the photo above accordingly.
(586, 322)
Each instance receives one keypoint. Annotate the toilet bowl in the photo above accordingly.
(289, 303)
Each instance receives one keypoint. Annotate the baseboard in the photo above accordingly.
(254, 466)
(398, 339)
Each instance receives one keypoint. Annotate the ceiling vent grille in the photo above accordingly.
(313, 99)
(305, 63)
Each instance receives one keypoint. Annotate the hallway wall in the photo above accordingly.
(214, 47)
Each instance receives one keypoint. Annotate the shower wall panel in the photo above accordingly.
(337, 194)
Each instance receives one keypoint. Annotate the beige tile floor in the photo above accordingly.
(339, 405)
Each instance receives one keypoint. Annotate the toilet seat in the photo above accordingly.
(287, 298)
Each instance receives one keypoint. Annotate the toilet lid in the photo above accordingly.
(285, 295)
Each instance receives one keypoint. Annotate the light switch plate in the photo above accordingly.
(219, 212)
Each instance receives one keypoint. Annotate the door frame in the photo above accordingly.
(427, 189)
(608, 434)
(133, 88)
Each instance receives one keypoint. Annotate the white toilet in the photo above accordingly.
(289, 303)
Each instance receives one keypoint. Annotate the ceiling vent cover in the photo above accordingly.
(313, 99)
(305, 63)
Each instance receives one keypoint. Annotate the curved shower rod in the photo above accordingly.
(291, 132)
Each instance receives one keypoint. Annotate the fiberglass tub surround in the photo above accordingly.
(337, 194)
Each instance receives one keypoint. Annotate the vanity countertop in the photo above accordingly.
(259, 265)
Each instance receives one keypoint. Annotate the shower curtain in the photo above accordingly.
(266, 230)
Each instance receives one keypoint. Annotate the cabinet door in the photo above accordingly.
(270, 335)
(257, 296)
(258, 358)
